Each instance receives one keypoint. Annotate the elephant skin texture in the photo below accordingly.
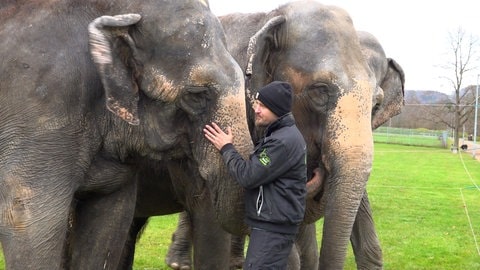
(345, 86)
(342, 92)
(96, 96)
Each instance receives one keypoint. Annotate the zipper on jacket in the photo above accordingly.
(259, 203)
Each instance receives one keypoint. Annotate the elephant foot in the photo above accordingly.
(236, 252)
(236, 261)
(178, 256)
(178, 263)
(236, 264)
(177, 266)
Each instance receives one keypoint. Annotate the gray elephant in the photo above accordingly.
(385, 81)
(389, 100)
(345, 87)
(162, 70)
(317, 49)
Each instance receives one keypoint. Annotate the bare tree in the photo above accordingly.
(468, 112)
(464, 57)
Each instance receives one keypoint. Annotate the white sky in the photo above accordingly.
(413, 32)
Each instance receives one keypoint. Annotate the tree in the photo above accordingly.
(464, 57)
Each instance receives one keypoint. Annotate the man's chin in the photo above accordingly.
(260, 123)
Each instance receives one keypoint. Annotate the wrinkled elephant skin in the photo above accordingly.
(317, 50)
(90, 102)
(384, 91)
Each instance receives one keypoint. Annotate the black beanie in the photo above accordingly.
(276, 96)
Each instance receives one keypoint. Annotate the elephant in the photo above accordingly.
(343, 91)
(345, 87)
(390, 81)
(94, 95)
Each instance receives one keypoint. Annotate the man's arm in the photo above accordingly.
(262, 168)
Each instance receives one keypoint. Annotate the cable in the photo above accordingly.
(470, 222)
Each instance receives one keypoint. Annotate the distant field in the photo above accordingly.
(411, 137)
(426, 206)
(410, 140)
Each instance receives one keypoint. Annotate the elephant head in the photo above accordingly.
(389, 92)
(316, 48)
(168, 82)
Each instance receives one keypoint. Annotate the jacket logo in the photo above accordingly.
(264, 159)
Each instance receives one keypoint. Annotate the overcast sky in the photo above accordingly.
(413, 32)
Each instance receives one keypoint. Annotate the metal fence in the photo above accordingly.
(417, 137)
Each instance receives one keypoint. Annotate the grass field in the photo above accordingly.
(410, 137)
(410, 140)
(426, 206)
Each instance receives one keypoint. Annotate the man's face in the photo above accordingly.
(263, 115)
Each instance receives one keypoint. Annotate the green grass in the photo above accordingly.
(420, 197)
(407, 139)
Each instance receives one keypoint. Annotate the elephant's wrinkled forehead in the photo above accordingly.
(310, 11)
(203, 75)
(220, 72)
(190, 25)
(161, 87)
(312, 22)
(301, 79)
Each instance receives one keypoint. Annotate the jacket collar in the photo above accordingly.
(283, 121)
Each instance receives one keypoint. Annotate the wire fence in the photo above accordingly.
(414, 137)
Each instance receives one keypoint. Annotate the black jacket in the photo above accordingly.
(274, 177)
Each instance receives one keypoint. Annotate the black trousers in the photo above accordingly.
(268, 250)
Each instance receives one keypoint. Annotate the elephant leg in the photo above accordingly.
(237, 257)
(136, 230)
(180, 252)
(101, 229)
(307, 246)
(364, 239)
(33, 224)
(294, 259)
(211, 243)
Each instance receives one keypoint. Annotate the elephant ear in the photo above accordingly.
(393, 86)
(258, 71)
(109, 42)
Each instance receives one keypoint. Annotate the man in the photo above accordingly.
(274, 177)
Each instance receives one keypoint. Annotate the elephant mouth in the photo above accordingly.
(315, 184)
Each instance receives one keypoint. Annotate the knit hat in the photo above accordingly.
(276, 96)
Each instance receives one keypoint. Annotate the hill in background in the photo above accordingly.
(426, 97)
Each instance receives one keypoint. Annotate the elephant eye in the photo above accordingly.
(197, 89)
(318, 95)
(195, 100)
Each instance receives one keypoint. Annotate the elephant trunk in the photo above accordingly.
(226, 194)
(348, 141)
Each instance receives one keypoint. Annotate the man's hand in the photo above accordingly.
(216, 135)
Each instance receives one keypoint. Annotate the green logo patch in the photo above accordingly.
(264, 158)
